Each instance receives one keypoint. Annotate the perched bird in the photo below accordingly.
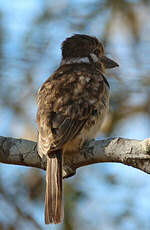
(72, 104)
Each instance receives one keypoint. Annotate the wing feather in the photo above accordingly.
(66, 131)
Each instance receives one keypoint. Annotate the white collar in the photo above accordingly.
(79, 60)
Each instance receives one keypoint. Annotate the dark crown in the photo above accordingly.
(80, 45)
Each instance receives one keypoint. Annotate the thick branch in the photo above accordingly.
(134, 153)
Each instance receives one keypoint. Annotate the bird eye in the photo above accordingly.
(97, 52)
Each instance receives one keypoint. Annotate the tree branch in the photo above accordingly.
(131, 152)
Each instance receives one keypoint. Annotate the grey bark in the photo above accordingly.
(130, 152)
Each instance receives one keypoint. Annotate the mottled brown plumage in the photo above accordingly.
(72, 104)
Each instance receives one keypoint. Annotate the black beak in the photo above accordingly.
(108, 63)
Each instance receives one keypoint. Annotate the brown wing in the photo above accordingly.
(66, 100)
(64, 129)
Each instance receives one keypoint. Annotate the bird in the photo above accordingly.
(72, 104)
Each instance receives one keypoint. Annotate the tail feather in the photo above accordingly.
(53, 197)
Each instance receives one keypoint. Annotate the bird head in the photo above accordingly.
(81, 48)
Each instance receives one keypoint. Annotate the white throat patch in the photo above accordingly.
(79, 60)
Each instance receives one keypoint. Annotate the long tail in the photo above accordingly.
(54, 189)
